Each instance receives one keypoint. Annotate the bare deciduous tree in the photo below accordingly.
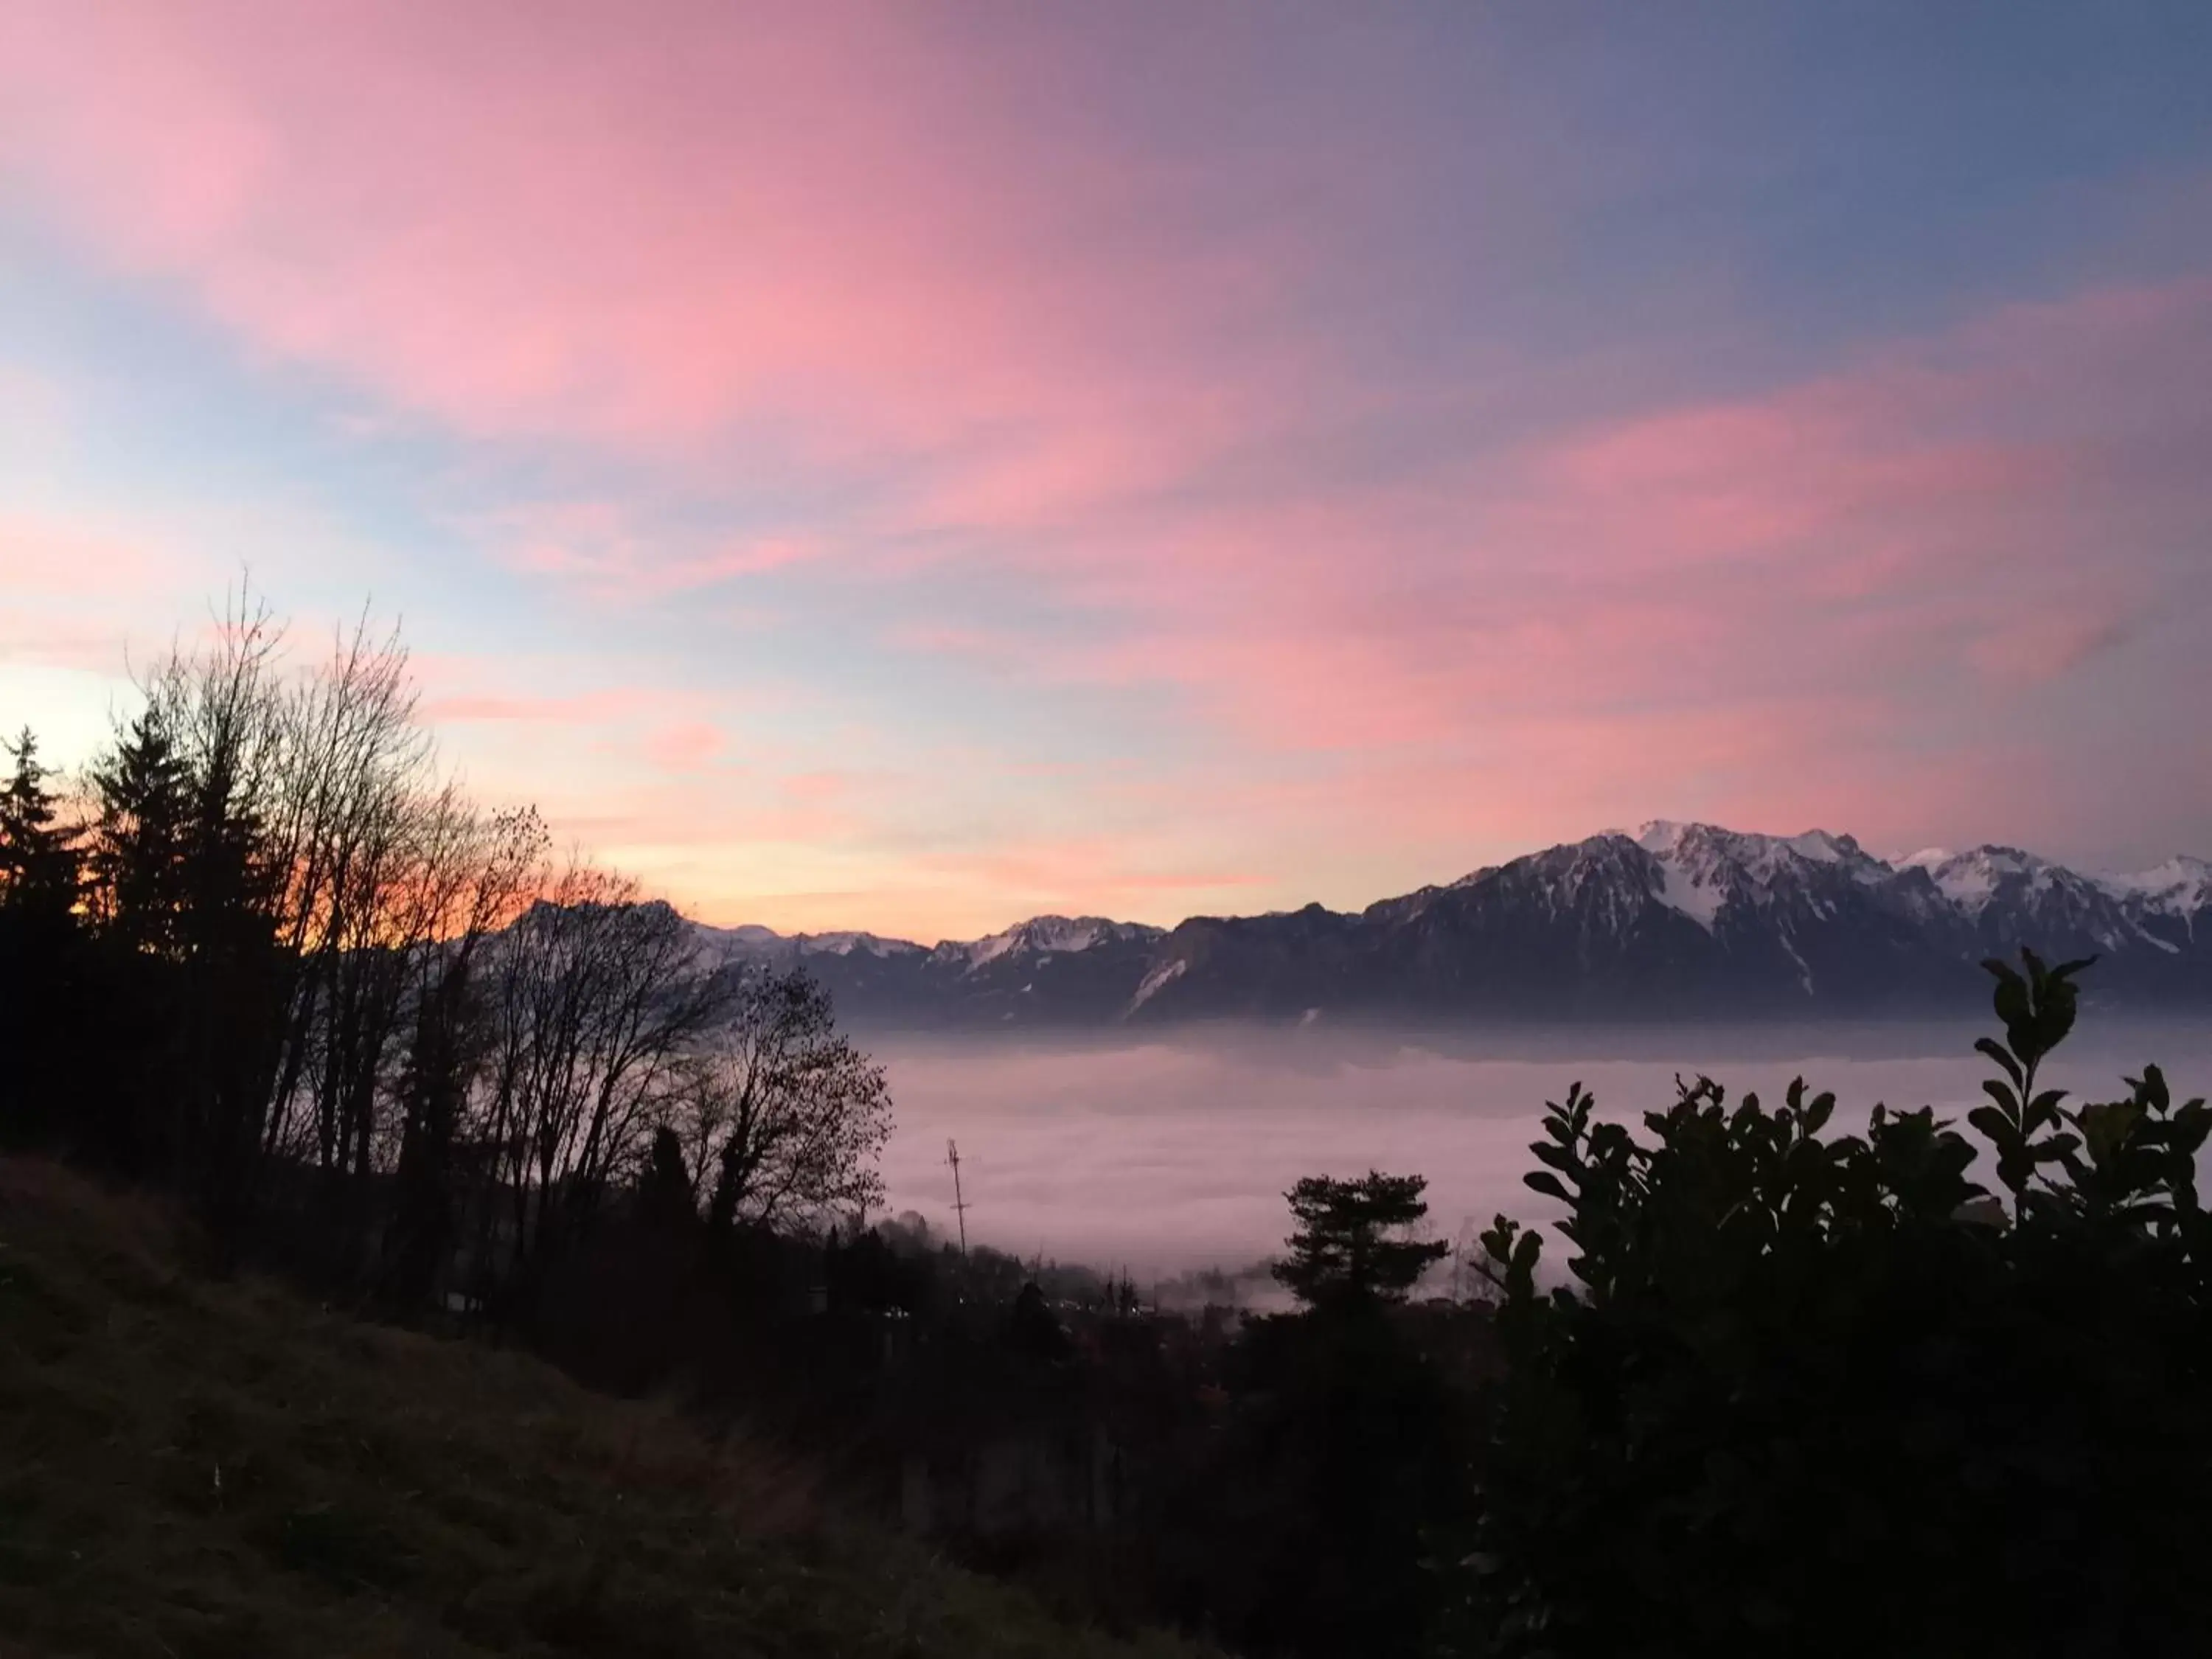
(478, 872)
(598, 996)
(781, 1112)
(220, 708)
(359, 990)
(354, 813)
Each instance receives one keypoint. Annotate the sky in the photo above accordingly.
(913, 467)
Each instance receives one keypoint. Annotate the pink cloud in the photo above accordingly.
(950, 333)
(1871, 526)
(77, 595)
(1808, 605)
(817, 786)
(1078, 872)
(66, 560)
(685, 747)
(2049, 646)
(411, 195)
(587, 708)
(596, 549)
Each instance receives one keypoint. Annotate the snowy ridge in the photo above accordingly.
(1047, 936)
(2178, 887)
(1971, 879)
(1704, 870)
(844, 944)
(1700, 871)
(1669, 920)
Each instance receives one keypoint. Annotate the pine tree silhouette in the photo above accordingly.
(40, 958)
(41, 873)
(138, 840)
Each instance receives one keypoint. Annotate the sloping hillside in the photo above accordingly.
(190, 1468)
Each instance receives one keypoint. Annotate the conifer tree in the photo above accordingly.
(1352, 1244)
(138, 841)
(39, 872)
(665, 1198)
(442, 1056)
(39, 959)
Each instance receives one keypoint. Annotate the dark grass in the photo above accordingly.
(196, 1469)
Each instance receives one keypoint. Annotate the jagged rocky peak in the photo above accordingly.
(1605, 882)
(1052, 936)
(2015, 896)
(1703, 870)
(1971, 879)
(1709, 846)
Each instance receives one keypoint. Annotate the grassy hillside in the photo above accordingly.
(190, 1468)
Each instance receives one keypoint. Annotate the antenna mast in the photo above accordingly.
(959, 1204)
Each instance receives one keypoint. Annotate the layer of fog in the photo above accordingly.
(1173, 1154)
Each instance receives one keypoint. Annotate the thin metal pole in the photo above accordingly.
(959, 1204)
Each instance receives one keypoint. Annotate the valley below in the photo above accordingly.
(1169, 1153)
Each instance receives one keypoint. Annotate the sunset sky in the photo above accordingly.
(915, 466)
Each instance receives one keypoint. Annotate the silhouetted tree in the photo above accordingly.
(473, 882)
(665, 1199)
(1352, 1244)
(220, 708)
(368, 1027)
(41, 867)
(782, 1107)
(364, 836)
(1305, 1529)
(137, 844)
(41, 963)
(866, 1274)
(597, 997)
(137, 897)
(1032, 1328)
(441, 1059)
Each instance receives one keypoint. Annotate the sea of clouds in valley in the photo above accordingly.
(1172, 1154)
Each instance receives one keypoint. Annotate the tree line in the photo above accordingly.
(266, 952)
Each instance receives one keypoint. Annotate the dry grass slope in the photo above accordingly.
(193, 1469)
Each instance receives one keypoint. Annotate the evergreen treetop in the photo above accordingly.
(39, 873)
(1351, 1245)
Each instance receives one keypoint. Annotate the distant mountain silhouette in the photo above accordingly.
(1673, 921)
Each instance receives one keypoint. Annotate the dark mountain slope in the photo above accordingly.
(1674, 922)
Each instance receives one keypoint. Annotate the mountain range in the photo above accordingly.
(1670, 921)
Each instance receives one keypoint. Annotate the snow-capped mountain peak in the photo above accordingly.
(1704, 869)
(2181, 886)
(844, 944)
(2031, 899)
(747, 935)
(1659, 837)
(1972, 878)
(1049, 936)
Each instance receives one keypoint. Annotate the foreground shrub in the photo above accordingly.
(1825, 1394)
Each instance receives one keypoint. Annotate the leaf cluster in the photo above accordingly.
(1811, 1393)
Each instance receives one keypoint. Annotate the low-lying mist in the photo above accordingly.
(1172, 1153)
